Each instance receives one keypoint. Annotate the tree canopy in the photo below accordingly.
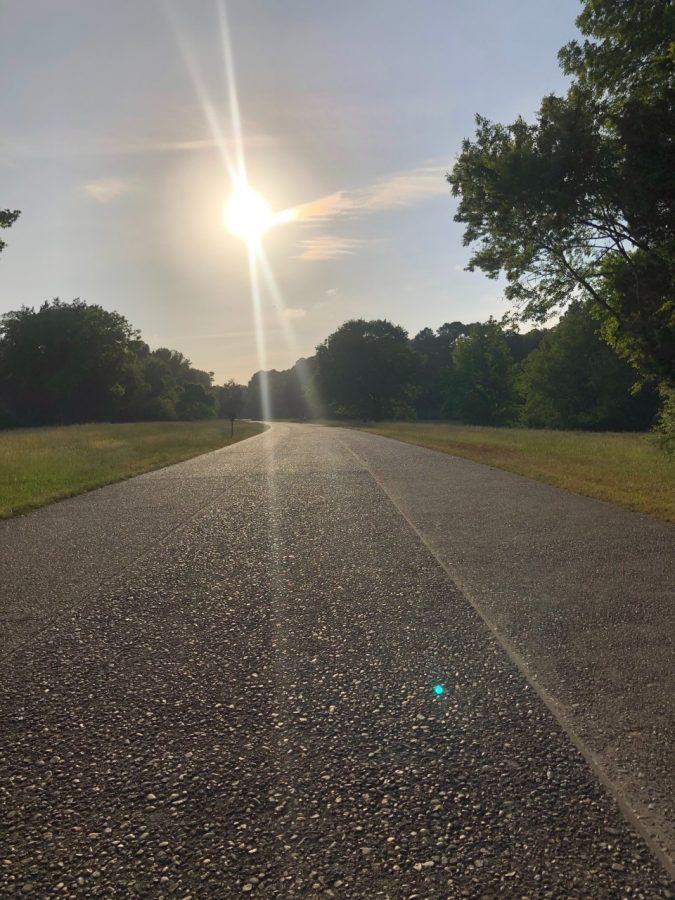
(574, 380)
(580, 203)
(366, 370)
(481, 387)
(76, 362)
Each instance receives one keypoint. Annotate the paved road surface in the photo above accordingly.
(218, 681)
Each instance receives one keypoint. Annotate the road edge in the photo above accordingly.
(626, 806)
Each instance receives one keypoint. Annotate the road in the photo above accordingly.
(218, 681)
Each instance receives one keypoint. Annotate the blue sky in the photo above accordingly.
(356, 107)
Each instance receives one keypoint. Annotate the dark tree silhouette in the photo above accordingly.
(74, 362)
(231, 397)
(367, 370)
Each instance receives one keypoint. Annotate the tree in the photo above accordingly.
(433, 350)
(75, 362)
(292, 393)
(580, 204)
(195, 402)
(153, 391)
(7, 218)
(231, 398)
(521, 345)
(482, 388)
(367, 370)
(176, 387)
(67, 362)
(574, 380)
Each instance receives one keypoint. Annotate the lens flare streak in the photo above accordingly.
(246, 214)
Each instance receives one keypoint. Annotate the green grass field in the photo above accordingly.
(626, 469)
(38, 465)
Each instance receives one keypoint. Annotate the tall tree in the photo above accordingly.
(66, 362)
(580, 203)
(482, 386)
(367, 370)
(433, 350)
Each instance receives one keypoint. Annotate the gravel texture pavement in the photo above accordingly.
(244, 705)
(580, 591)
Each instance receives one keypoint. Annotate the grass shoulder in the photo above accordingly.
(623, 468)
(40, 465)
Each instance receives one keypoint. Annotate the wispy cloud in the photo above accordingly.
(84, 145)
(295, 312)
(327, 246)
(323, 208)
(178, 146)
(397, 190)
(106, 189)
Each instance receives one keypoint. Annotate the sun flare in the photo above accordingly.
(247, 214)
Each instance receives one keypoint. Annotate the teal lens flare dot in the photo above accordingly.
(439, 689)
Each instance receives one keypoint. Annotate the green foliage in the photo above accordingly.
(230, 400)
(521, 345)
(644, 334)
(74, 362)
(64, 363)
(433, 350)
(71, 362)
(482, 386)
(630, 51)
(196, 402)
(573, 380)
(366, 370)
(291, 393)
(580, 202)
(564, 377)
(7, 218)
(665, 426)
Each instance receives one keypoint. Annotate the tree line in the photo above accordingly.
(575, 210)
(565, 377)
(75, 362)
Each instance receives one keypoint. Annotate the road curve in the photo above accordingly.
(219, 680)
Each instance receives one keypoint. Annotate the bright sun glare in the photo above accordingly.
(247, 215)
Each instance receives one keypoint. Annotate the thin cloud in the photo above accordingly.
(323, 208)
(405, 188)
(400, 189)
(295, 312)
(327, 246)
(178, 146)
(81, 146)
(106, 189)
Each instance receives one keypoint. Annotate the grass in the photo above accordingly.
(39, 465)
(624, 468)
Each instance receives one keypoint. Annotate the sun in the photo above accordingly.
(247, 215)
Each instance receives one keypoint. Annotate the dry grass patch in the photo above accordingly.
(39, 465)
(626, 469)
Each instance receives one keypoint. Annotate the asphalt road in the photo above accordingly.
(218, 680)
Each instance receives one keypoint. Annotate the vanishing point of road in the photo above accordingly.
(321, 663)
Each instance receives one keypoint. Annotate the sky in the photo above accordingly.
(116, 118)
